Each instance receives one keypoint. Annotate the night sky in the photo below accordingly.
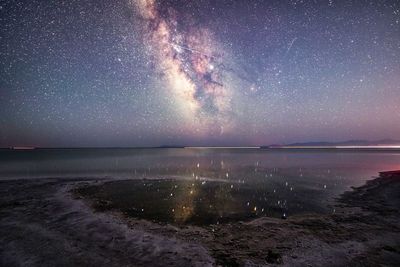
(150, 73)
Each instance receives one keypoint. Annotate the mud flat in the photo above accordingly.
(80, 222)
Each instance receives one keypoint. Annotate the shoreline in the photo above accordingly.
(42, 223)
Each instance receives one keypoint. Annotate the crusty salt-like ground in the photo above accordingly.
(43, 224)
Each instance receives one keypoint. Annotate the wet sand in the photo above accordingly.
(46, 223)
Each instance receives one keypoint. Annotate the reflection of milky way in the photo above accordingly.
(190, 61)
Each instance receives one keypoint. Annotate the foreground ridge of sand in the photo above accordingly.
(41, 224)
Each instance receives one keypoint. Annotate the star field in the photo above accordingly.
(149, 73)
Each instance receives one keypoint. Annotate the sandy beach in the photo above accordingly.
(47, 222)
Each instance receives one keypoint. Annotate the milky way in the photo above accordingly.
(204, 72)
(190, 61)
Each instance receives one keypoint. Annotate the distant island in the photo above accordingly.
(383, 143)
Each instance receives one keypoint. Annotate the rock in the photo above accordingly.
(273, 257)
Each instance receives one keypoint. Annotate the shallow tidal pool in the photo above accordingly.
(202, 202)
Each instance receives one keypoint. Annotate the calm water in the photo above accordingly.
(252, 181)
(350, 167)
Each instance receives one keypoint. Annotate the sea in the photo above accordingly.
(274, 181)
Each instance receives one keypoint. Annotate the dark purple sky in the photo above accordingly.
(149, 73)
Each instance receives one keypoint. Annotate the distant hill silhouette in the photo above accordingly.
(345, 143)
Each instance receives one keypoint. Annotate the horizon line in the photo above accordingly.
(277, 147)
